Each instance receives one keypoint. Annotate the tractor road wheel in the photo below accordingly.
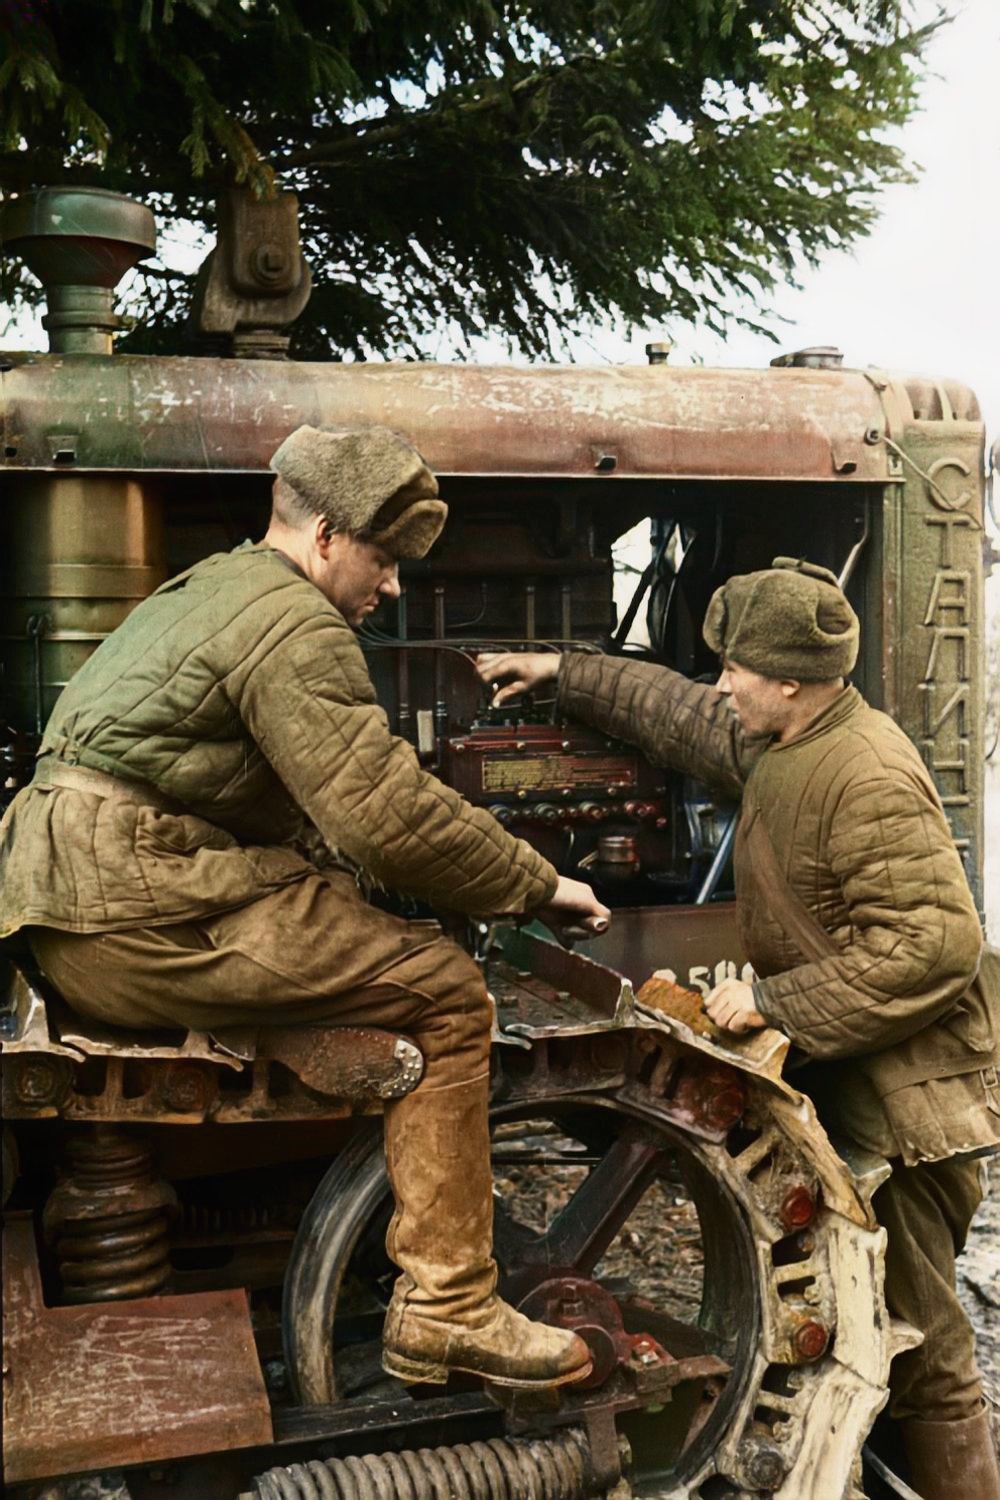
(719, 1248)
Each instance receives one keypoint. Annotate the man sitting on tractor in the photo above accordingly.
(152, 861)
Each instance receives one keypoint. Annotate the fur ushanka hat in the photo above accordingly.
(790, 621)
(368, 482)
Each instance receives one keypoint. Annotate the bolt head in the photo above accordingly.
(765, 1468)
(725, 1107)
(187, 1089)
(40, 1081)
(810, 1339)
(270, 264)
(798, 1208)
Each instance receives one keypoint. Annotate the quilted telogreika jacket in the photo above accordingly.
(900, 1036)
(241, 696)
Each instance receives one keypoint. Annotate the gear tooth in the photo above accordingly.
(772, 1062)
(902, 1336)
(870, 1170)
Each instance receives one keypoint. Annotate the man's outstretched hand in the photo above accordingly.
(731, 1006)
(574, 905)
(527, 670)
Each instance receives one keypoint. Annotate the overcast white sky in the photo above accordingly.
(922, 292)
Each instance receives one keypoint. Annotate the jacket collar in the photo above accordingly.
(288, 561)
(265, 547)
(843, 707)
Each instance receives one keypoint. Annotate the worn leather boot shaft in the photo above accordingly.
(437, 1147)
(444, 1313)
(952, 1460)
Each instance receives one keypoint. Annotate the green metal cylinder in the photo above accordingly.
(80, 553)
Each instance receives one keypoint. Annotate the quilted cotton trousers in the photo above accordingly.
(316, 951)
(926, 1211)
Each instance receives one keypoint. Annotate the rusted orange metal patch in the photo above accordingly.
(659, 993)
(122, 1383)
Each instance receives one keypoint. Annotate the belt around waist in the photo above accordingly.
(52, 772)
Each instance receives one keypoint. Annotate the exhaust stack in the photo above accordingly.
(79, 242)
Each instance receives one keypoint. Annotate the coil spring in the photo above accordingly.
(500, 1469)
(120, 1257)
(108, 1220)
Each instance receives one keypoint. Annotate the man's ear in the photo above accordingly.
(322, 536)
(790, 688)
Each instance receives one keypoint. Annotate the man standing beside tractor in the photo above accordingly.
(854, 910)
(151, 861)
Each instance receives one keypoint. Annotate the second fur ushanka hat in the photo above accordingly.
(791, 621)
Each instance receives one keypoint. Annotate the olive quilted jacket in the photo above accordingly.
(862, 839)
(238, 692)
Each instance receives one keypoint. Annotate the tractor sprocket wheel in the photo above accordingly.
(722, 1249)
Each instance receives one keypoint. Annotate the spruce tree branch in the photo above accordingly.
(367, 138)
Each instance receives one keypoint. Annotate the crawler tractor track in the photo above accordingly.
(754, 1369)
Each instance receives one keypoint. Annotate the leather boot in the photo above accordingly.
(952, 1460)
(445, 1314)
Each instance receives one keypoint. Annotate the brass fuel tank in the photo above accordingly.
(80, 552)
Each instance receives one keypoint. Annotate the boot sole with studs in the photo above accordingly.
(428, 1371)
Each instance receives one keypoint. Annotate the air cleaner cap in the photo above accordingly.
(79, 242)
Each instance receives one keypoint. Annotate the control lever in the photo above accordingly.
(575, 933)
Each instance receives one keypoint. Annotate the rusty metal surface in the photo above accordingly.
(59, 1064)
(543, 990)
(689, 940)
(571, 990)
(571, 1301)
(672, 999)
(144, 413)
(254, 282)
(96, 1386)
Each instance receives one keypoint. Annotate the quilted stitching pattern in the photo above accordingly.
(238, 691)
(858, 830)
(866, 843)
(674, 721)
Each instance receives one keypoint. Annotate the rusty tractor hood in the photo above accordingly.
(149, 414)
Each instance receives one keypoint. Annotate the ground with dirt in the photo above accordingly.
(979, 1285)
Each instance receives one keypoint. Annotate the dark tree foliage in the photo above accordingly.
(519, 167)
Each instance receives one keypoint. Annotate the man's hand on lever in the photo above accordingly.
(527, 670)
(574, 910)
(731, 1006)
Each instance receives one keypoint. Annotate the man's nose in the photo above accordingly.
(723, 685)
(389, 587)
